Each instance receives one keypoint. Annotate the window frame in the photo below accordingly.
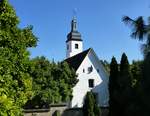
(83, 70)
(90, 69)
(76, 46)
(91, 83)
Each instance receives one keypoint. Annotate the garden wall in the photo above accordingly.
(64, 111)
(46, 112)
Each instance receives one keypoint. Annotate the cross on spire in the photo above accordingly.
(75, 12)
(74, 21)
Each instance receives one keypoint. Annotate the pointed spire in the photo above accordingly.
(74, 34)
(74, 24)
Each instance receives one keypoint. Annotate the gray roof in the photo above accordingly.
(74, 34)
(75, 61)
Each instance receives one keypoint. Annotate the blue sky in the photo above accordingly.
(99, 22)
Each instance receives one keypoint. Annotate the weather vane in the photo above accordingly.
(74, 12)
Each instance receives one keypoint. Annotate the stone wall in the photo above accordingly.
(73, 112)
(64, 111)
(78, 112)
(104, 111)
(46, 112)
(37, 112)
(59, 107)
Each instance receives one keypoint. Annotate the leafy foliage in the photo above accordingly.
(57, 113)
(106, 64)
(145, 82)
(52, 83)
(141, 31)
(136, 72)
(138, 27)
(22, 79)
(15, 80)
(90, 107)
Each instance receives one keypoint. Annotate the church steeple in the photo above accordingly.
(74, 34)
(74, 41)
(74, 24)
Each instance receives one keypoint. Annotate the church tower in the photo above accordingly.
(74, 42)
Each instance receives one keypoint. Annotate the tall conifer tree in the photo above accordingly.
(125, 77)
(90, 107)
(146, 85)
(124, 82)
(113, 86)
(141, 31)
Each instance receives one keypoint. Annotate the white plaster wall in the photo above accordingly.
(72, 51)
(100, 82)
(102, 88)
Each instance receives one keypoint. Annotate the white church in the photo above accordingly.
(90, 72)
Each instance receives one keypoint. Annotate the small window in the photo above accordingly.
(83, 70)
(98, 70)
(91, 83)
(90, 69)
(67, 47)
(76, 46)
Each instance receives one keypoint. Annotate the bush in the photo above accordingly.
(90, 107)
(57, 113)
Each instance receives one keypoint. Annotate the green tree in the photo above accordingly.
(44, 87)
(120, 87)
(56, 113)
(141, 31)
(67, 80)
(125, 77)
(97, 110)
(135, 106)
(124, 89)
(145, 82)
(106, 65)
(52, 83)
(90, 107)
(113, 87)
(15, 80)
(136, 73)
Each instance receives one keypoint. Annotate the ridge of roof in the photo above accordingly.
(76, 60)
